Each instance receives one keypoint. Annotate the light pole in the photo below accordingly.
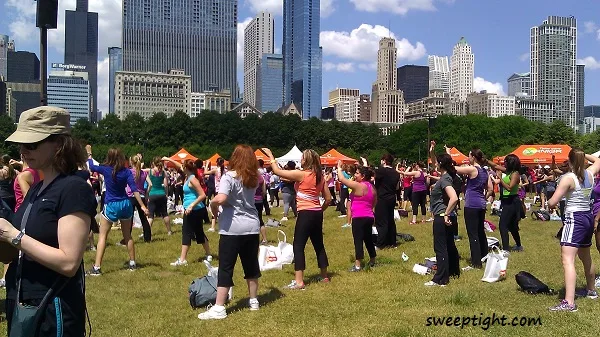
(46, 18)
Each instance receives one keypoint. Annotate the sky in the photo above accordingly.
(497, 30)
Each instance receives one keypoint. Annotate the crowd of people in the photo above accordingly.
(54, 184)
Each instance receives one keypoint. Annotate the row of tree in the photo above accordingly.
(212, 132)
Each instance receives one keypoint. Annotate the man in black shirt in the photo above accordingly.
(386, 182)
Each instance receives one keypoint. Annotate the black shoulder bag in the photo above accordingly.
(26, 319)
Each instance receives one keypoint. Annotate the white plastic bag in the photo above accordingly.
(495, 268)
(137, 223)
(269, 258)
(396, 215)
(286, 250)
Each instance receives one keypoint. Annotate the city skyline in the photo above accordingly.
(351, 29)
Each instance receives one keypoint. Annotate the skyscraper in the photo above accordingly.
(462, 71)
(580, 94)
(387, 101)
(414, 82)
(70, 90)
(519, 84)
(439, 73)
(258, 40)
(3, 57)
(553, 70)
(23, 67)
(346, 104)
(199, 37)
(115, 63)
(269, 87)
(81, 46)
(302, 56)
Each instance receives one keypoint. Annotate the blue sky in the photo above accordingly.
(497, 30)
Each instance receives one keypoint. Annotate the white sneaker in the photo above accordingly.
(141, 235)
(284, 219)
(214, 312)
(179, 263)
(209, 258)
(254, 305)
(2, 283)
(598, 282)
(342, 216)
(211, 229)
(433, 284)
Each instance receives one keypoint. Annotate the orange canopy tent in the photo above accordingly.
(261, 155)
(540, 154)
(332, 157)
(181, 156)
(213, 160)
(458, 156)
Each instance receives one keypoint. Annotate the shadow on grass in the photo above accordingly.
(271, 296)
(315, 278)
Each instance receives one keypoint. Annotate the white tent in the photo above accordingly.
(597, 154)
(293, 155)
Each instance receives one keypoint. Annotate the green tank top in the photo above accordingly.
(514, 190)
(158, 187)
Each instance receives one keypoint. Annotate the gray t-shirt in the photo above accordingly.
(239, 215)
(438, 202)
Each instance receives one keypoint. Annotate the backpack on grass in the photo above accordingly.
(541, 215)
(530, 284)
(203, 291)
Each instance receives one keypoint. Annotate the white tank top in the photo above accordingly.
(578, 200)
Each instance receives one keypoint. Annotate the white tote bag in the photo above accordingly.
(286, 251)
(137, 222)
(495, 268)
(269, 258)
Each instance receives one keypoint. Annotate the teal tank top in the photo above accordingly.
(158, 187)
(190, 194)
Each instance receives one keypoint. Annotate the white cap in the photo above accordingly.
(547, 167)
(485, 168)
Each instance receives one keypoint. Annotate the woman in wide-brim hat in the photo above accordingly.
(51, 227)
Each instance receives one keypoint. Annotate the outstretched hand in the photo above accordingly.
(268, 153)
(339, 165)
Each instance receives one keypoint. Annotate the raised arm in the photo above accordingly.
(292, 175)
(495, 166)
(178, 165)
(356, 186)
(595, 168)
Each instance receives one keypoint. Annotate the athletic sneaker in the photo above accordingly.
(130, 266)
(211, 229)
(457, 238)
(354, 269)
(564, 306)
(208, 258)
(141, 235)
(295, 286)
(433, 284)
(591, 294)
(179, 263)
(467, 268)
(342, 216)
(597, 281)
(517, 248)
(95, 271)
(284, 219)
(253, 303)
(2, 283)
(346, 225)
(213, 312)
(430, 220)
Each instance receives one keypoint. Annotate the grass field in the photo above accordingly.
(388, 300)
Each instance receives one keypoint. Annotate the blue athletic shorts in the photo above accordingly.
(118, 210)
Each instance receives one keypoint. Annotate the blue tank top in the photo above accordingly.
(474, 193)
(190, 194)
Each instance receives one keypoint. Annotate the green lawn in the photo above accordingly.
(389, 300)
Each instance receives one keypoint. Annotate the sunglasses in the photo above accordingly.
(34, 146)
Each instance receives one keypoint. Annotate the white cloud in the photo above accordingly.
(368, 66)
(524, 57)
(591, 27)
(362, 43)
(340, 67)
(276, 6)
(241, 26)
(103, 92)
(480, 84)
(24, 7)
(590, 63)
(395, 6)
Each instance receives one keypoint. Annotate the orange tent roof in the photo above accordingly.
(332, 157)
(261, 155)
(540, 154)
(213, 160)
(181, 156)
(458, 156)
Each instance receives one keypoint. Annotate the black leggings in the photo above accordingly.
(143, 219)
(418, 198)
(446, 254)
(344, 194)
(259, 207)
(509, 220)
(362, 229)
(274, 195)
(192, 227)
(474, 221)
(309, 225)
(333, 197)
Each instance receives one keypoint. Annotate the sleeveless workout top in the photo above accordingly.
(578, 200)
(419, 183)
(362, 206)
(190, 195)
(307, 193)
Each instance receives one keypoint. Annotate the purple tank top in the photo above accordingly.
(362, 207)
(418, 184)
(474, 194)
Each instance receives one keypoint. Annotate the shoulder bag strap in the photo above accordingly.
(20, 261)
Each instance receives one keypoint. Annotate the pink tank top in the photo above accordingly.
(18, 193)
(362, 206)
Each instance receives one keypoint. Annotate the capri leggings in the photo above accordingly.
(418, 199)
